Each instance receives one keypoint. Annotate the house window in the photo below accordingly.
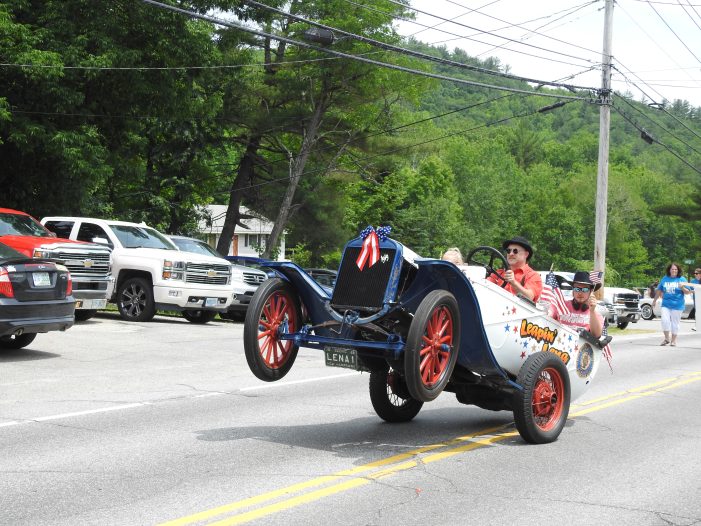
(256, 240)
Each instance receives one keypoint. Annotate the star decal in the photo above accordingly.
(576, 348)
(523, 355)
(507, 327)
(515, 328)
(570, 338)
(533, 347)
(525, 345)
(513, 310)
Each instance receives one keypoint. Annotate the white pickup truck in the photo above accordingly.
(150, 272)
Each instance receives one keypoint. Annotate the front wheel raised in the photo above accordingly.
(432, 345)
(542, 406)
(274, 310)
(390, 397)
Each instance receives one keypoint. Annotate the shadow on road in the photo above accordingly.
(25, 355)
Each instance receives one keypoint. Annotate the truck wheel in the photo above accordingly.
(390, 397)
(199, 316)
(432, 345)
(84, 315)
(274, 310)
(622, 324)
(646, 312)
(17, 342)
(542, 406)
(135, 300)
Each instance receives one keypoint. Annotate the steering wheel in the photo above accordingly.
(493, 254)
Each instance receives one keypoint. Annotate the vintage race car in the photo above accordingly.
(423, 326)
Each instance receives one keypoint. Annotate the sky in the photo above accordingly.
(656, 44)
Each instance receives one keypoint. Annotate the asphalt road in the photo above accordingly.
(129, 424)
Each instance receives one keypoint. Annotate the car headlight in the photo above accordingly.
(173, 269)
(42, 253)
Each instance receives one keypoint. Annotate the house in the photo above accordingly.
(249, 241)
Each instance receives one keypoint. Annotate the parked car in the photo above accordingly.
(88, 263)
(244, 279)
(35, 296)
(253, 262)
(647, 312)
(151, 273)
(626, 304)
(323, 276)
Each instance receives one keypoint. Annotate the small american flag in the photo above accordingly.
(596, 276)
(553, 295)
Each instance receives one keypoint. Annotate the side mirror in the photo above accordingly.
(100, 240)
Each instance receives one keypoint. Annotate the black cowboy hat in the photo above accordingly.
(521, 241)
(583, 277)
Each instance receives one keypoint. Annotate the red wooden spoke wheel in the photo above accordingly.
(432, 345)
(542, 405)
(273, 312)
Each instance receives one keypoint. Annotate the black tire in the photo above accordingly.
(199, 317)
(390, 397)
(622, 324)
(646, 312)
(135, 300)
(274, 308)
(84, 315)
(541, 408)
(428, 369)
(17, 342)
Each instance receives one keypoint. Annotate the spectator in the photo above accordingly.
(453, 255)
(671, 289)
(582, 307)
(697, 280)
(521, 279)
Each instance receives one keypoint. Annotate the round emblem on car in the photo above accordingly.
(585, 361)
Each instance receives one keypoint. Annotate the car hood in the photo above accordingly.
(27, 244)
(176, 255)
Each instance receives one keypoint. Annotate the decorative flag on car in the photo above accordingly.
(553, 295)
(370, 252)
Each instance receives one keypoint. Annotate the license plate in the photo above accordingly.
(91, 304)
(41, 279)
(211, 302)
(341, 357)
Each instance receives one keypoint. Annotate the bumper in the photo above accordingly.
(37, 317)
(183, 297)
(240, 301)
(628, 315)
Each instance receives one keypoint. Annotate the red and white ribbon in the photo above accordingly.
(370, 253)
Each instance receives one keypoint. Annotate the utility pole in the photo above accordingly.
(602, 183)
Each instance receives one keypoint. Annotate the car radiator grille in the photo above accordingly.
(86, 264)
(629, 300)
(253, 278)
(207, 274)
(362, 290)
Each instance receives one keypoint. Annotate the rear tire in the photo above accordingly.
(622, 324)
(541, 408)
(390, 397)
(17, 342)
(432, 345)
(274, 310)
(199, 317)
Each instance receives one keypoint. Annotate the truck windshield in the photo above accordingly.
(20, 225)
(141, 237)
(197, 247)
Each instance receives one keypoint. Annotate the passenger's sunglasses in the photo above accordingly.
(697, 273)
(581, 289)
(512, 251)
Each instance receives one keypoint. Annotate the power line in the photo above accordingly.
(413, 53)
(673, 31)
(348, 56)
(649, 138)
(408, 20)
(469, 10)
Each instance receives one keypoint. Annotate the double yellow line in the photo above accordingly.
(299, 494)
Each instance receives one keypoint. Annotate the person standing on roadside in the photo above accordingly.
(671, 289)
(520, 278)
(696, 280)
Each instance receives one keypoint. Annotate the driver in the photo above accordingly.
(581, 309)
(520, 278)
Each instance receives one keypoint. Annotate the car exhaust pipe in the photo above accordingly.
(19, 332)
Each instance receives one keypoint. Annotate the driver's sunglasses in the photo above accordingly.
(581, 289)
(512, 251)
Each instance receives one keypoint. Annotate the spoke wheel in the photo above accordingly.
(432, 345)
(274, 310)
(135, 300)
(542, 406)
(646, 312)
(390, 397)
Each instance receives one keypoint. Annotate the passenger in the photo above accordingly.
(522, 279)
(453, 255)
(582, 307)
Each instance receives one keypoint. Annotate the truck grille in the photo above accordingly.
(362, 290)
(85, 264)
(253, 278)
(207, 274)
(629, 300)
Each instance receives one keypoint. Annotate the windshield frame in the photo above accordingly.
(138, 236)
